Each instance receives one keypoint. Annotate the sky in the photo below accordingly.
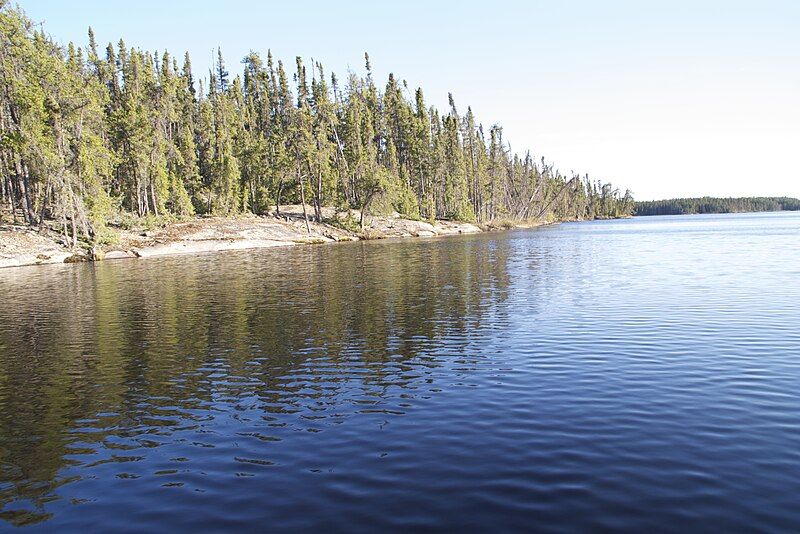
(668, 98)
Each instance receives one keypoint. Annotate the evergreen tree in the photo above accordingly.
(86, 138)
(456, 188)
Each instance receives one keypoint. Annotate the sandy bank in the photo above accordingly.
(21, 246)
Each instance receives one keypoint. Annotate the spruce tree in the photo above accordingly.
(85, 139)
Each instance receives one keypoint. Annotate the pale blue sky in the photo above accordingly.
(669, 98)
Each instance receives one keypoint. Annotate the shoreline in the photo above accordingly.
(22, 246)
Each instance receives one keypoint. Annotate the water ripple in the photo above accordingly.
(636, 375)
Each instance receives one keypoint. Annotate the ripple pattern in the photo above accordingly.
(638, 375)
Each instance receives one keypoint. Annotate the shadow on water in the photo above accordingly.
(103, 365)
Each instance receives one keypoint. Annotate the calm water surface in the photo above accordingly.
(640, 374)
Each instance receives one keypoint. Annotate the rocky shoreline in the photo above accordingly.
(21, 246)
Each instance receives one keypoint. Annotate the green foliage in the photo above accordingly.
(345, 222)
(682, 206)
(86, 136)
(405, 202)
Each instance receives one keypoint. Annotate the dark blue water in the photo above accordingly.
(640, 374)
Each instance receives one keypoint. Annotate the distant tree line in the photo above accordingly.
(88, 135)
(685, 206)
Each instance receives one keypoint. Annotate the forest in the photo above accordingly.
(688, 206)
(92, 138)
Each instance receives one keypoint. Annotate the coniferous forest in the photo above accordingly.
(94, 134)
(689, 206)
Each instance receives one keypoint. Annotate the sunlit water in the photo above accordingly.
(639, 374)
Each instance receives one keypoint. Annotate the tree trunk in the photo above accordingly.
(278, 197)
(24, 188)
(318, 198)
(12, 204)
(557, 197)
(303, 201)
(153, 198)
(48, 191)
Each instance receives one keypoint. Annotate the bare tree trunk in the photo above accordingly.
(74, 227)
(365, 206)
(48, 191)
(303, 201)
(253, 199)
(556, 197)
(153, 197)
(141, 206)
(12, 204)
(278, 197)
(318, 198)
(25, 193)
(3, 182)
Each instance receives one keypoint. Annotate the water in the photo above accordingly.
(640, 374)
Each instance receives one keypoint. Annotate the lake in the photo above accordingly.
(639, 374)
